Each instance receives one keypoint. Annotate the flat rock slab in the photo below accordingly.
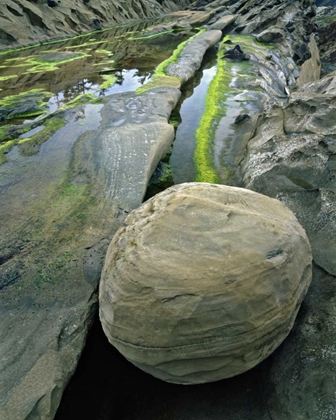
(192, 55)
(223, 22)
(132, 139)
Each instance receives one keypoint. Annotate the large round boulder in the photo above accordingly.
(203, 282)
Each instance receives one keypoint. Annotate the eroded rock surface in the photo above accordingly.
(53, 238)
(25, 22)
(202, 282)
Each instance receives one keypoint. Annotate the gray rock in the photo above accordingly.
(297, 167)
(223, 22)
(191, 57)
(54, 238)
(203, 282)
(271, 35)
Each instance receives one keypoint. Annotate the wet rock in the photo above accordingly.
(3, 113)
(96, 24)
(41, 303)
(223, 22)
(52, 3)
(192, 17)
(301, 379)
(203, 281)
(236, 53)
(191, 57)
(292, 158)
(271, 35)
(241, 118)
(301, 54)
(325, 40)
(29, 108)
(25, 104)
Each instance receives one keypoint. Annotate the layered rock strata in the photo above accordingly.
(202, 282)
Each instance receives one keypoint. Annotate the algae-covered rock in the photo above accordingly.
(203, 281)
(24, 105)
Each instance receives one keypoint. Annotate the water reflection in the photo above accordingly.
(80, 65)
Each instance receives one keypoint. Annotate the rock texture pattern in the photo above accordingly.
(203, 282)
(24, 22)
(48, 293)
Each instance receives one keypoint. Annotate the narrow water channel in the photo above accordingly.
(106, 386)
(191, 108)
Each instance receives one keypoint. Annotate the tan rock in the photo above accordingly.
(310, 69)
(203, 282)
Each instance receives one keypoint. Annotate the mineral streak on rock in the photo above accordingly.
(202, 282)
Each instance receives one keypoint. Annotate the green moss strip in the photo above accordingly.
(215, 107)
(151, 35)
(5, 148)
(11, 76)
(213, 112)
(160, 77)
(31, 145)
(40, 65)
(109, 81)
(82, 99)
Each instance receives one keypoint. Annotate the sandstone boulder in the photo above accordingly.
(202, 282)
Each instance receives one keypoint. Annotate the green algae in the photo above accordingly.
(45, 64)
(82, 99)
(109, 81)
(215, 107)
(160, 77)
(104, 63)
(37, 97)
(31, 145)
(5, 148)
(250, 44)
(205, 133)
(142, 37)
(11, 76)
(101, 51)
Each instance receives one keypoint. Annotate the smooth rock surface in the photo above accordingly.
(223, 22)
(203, 282)
(192, 55)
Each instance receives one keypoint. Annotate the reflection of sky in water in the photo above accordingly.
(182, 158)
(127, 80)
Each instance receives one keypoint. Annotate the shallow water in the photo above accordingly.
(191, 109)
(27, 180)
(87, 62)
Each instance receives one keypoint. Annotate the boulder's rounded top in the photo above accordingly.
(206, 268)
